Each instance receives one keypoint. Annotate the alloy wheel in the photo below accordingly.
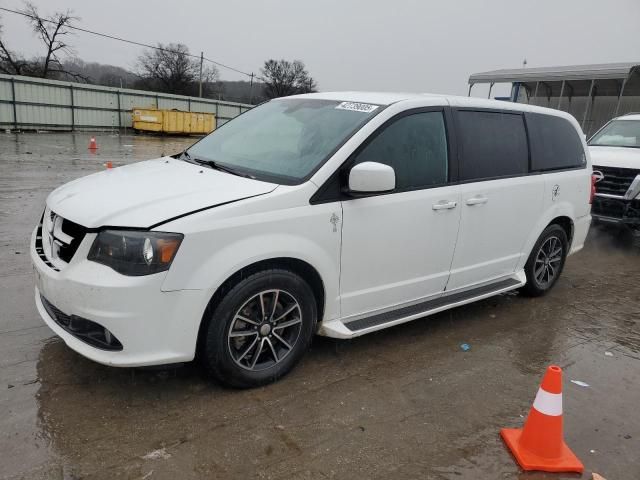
(548, 261)
(265, 330)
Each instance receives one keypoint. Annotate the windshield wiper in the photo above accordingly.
(224, 168)
(605, 145)
(185, 156)
(215, 165)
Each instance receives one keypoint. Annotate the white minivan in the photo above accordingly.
(333, 213)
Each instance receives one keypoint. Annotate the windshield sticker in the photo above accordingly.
(357, 107)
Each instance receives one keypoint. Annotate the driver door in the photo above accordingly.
(397, 247)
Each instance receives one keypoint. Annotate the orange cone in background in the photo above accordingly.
(93, 145)
(109, 164)
(539, 445)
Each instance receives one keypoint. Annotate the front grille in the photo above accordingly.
(89, 332)
(608, 208)
(616, 181)
(57, 239)
(40, 249)
(77, 232)
(627, 211)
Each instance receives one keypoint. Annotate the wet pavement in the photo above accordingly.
(401, 403)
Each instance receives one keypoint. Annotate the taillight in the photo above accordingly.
(594, 179)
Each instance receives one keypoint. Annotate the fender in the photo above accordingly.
(555, 210)
(304, 234)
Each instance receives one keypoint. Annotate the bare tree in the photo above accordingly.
(282, 78)
(170, 68)
(10, 62)
(52, 30)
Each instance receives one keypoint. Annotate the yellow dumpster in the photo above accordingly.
(172, 121)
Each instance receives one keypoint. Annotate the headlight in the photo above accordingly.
(135, 253)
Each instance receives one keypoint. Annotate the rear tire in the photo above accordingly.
(546, 261)
(260, 329)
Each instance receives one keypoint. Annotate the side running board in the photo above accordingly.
(429, 305)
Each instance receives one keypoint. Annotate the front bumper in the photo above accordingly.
(153, 327)
(616, 211)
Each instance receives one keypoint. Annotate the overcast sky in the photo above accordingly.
(391, 45)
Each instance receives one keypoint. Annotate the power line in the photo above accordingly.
(132, 42)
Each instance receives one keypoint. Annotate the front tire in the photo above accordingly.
(546, 261)
(260, 329)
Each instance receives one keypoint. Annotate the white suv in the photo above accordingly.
(334, 213)
(615, 150)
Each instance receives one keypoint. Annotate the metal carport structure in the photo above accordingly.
(592, 93)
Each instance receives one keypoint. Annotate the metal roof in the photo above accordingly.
(549, 74)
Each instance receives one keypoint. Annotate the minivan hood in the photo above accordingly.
(146, 193)
(621, 157)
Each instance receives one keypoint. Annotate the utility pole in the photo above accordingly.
(251, 90)
(201, 59)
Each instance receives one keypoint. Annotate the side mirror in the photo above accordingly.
(371, 177)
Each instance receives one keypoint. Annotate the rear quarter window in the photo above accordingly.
(555, 143)
(492, 144)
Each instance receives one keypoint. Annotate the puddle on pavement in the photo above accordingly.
(72, 148)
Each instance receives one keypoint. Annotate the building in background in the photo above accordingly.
(592, 93)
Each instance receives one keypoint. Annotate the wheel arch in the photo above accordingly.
(567, 225)
(561, 214)
(304, 269)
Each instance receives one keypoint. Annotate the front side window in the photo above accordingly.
(415, 146)
(284, 140)
(618, 133)
(491, 145)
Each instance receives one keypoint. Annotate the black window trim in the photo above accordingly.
(340, 174)
(452, 130)
(530, 170)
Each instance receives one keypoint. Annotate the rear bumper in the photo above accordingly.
(153, 327)
(580, 230)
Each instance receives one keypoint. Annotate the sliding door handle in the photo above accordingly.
(478, 200)
(444, 205)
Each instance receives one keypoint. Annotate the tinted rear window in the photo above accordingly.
(555, 143)
(492, 145)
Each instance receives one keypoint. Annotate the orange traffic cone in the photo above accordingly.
(109, 164)
(540, 445)
(93, 144)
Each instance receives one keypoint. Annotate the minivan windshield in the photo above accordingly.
(284, 140)
(618, 133)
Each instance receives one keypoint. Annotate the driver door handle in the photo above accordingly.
(477, 200)
(444, 205)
